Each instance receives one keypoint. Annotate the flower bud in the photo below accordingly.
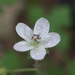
(3, 71)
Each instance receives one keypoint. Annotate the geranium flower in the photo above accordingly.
(36, 40)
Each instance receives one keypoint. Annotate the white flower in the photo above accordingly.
(37, 40)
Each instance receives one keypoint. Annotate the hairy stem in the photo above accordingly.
(23, 70)
(37, 66)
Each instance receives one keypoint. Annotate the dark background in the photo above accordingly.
(60, 14)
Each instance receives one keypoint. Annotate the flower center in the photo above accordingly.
(35, 39)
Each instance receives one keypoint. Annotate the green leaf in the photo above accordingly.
(64, 43)
(60, 16)
(47, 51)
(35, 13)
(28, 55)
(71, 67)
(1, 11)
(31, 73)
(50, 67)
(11, 60)
(10, 1)
(54, 71)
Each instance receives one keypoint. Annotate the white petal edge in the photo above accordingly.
(41, 26)
(24, 31)
(38, 53)
(54, 39)
(22, 46)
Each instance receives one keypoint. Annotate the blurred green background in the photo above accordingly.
(60, 14)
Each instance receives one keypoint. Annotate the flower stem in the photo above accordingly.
(23, 70)
(37, 66)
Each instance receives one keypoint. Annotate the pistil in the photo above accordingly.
(36, 39)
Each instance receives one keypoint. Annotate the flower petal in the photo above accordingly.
(54, 39)
(22, 46)
(38, 53)
(24, 31)
(41, 27)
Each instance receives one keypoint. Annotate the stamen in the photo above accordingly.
(36, 39)
(34, 34)
(32, 37)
